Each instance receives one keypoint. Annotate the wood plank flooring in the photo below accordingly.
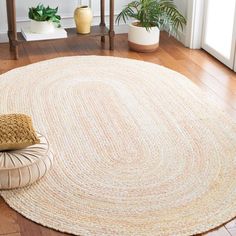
(211, 76)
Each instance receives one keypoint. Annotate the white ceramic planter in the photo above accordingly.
(142, 40)
(42, 27)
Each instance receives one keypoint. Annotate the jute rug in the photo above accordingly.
(138, 148)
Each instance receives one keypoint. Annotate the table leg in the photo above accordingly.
(9, 21)
(16, 51)
(12, 29)
(111, 31)
(102, 6)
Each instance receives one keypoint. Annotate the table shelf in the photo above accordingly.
(71, 33)
(16, 38)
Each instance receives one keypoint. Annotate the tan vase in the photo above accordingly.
(83, 19)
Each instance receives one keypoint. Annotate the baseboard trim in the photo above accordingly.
(181, 37)
(3, 37)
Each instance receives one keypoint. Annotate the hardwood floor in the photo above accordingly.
(215, 79)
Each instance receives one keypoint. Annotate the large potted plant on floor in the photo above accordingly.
(150, 16)
(43, 19)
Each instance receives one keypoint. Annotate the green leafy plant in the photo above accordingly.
(149, 13)
(42, 13)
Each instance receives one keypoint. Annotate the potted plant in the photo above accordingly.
(43, 19)
(150, 16)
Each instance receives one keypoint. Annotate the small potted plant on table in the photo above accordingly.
(151, 16)
(43, 19)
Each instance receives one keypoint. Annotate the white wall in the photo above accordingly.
(66, 9)
(183, 7)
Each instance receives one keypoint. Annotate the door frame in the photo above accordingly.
(194, 24)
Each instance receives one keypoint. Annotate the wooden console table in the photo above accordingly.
(16, 38)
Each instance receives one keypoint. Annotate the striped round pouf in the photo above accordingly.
(139, 150)
(23, 167)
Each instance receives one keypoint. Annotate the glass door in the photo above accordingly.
(219, 30)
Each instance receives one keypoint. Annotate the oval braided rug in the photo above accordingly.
(138, 149)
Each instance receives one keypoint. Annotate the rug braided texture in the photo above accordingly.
(138, 149)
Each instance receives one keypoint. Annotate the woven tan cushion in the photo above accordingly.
(16, 132)
(19, 168)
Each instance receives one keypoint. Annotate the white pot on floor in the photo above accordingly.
(42, 27)
(142, 40)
